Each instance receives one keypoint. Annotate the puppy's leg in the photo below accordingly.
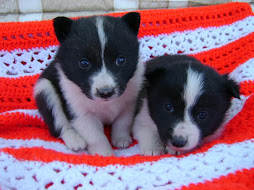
(145, 131)
(72, 139)
(91, 129)
(121, 129)
(49, 106)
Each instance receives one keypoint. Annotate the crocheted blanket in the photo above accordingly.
(221, 36)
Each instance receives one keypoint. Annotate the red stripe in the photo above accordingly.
(227, 58)
(20, 96)
(241, 180)
(17, 93)
(45, 155)
(27, 35)
(247, 88)
(233, 133)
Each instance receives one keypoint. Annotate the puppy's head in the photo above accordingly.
(99, 54)
(187, 100)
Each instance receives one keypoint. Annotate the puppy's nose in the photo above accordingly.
(178, 141)
(105, 92)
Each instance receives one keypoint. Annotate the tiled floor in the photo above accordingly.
(47, 16)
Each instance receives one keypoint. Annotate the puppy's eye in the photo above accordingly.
(169, 107)
(120, 60)
(84, 63)
(202, 115)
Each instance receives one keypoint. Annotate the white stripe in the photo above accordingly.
(102, 36)
(32, 143)
(28, 6)
(244, 72)
(195, 40)
(32, 112)
(187, 128)
(236, 107)
(59, 147)
(120, 5)
(193, 89)
(30, 17)
(167, 173)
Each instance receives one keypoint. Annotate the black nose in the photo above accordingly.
(178, 141)
(105, 92)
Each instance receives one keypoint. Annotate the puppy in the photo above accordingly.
(93, 80)
(183, 105)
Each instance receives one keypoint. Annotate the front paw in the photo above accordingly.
(74, 141)
(121, 142)
(100, 149)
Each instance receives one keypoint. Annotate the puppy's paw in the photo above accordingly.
(74, 141)
(173, 152)
(121, 142)
(100, 149)
(152, 151)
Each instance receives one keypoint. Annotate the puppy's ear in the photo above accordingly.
(133, 21)
(152, 74)
(231, 86)
(62, 26)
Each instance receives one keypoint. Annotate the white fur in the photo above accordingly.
(146, 132)
(61, 123)
(92, 114)
(102, 36)
(44, 86)
(102, 79)
(187, 128)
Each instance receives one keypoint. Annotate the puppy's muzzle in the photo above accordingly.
(178, 141)
(105, 92)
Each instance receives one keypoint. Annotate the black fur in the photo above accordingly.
(166, 77)
(82, 42)
(79, 40)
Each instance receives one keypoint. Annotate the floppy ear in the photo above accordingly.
(133, 21)
(62, 26)
(232, 87)
(152, 73)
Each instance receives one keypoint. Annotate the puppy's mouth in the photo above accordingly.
(181, 144)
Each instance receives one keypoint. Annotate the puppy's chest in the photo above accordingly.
(106, 112)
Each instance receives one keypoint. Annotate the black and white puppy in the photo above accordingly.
(182, 106)
(93, 80)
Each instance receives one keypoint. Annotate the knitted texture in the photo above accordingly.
(221, 36)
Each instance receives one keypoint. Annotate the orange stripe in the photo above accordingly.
(21, 126)
(247, 88)
(241, 180)
(227, 58)
(153, 22)
(232, 134)
(17, 93)
(45, 155)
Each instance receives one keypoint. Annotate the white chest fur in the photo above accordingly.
(105, 111)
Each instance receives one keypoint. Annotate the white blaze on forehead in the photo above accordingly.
(193, 88)
(102, 36)
(188, 128)
(102, 79)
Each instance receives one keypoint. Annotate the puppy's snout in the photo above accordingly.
(178, 141)
(105, 92)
